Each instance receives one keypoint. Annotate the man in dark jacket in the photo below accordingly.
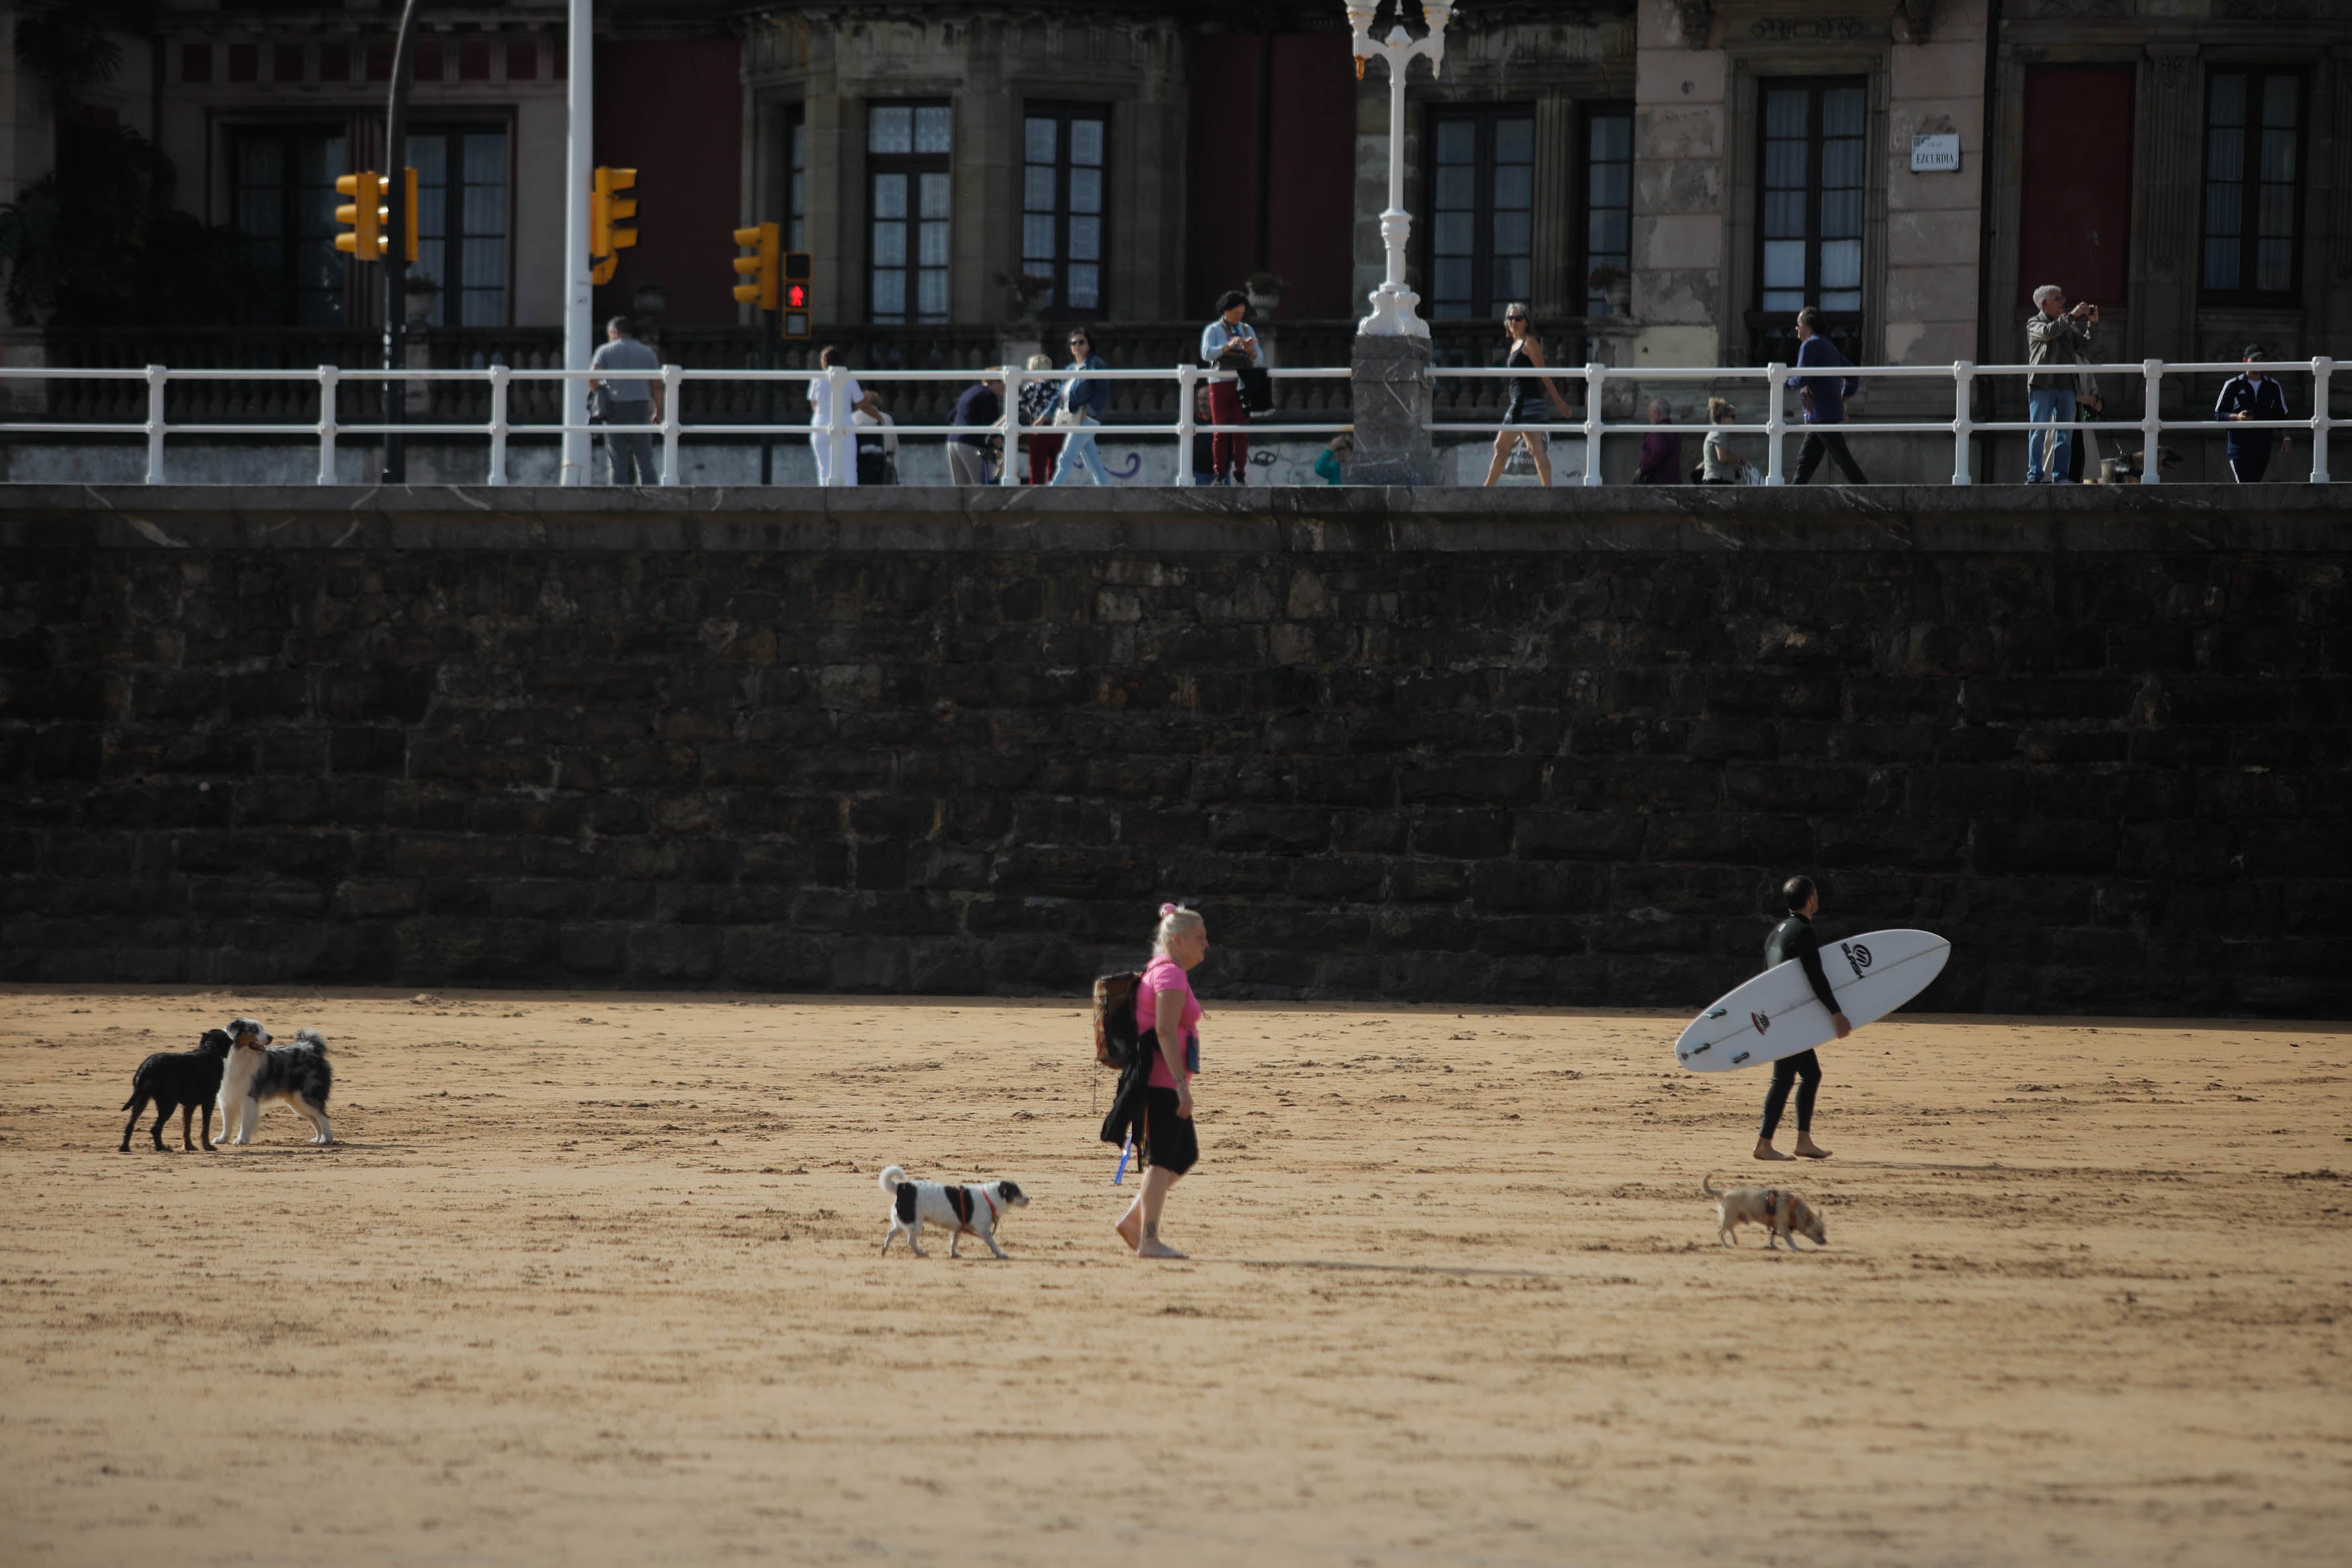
(1793, 938)
(1824, 400)
(2252, 395)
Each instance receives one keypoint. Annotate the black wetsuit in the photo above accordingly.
(1793, 938)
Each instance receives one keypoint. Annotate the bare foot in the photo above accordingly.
(1809, 1149)
(1764, 1151)
(1131, 1230)
(1153, 1246)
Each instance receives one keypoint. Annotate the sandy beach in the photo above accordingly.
(592, 1279)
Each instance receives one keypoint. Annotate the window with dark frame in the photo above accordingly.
(1810, 190)
(283, 196)
(2253, 186)
(463, 218)
(1064, 158)
(907, 165)
(796, 179)
(1481, 245)
(1608, 196)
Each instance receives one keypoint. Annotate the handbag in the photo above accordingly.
(1066, 416)
(1256, 388)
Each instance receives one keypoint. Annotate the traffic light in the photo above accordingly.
(759, 268)
(607, 209)
(365, 215)
(799, 300)
(369, 215)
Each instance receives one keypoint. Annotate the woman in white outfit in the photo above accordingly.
(836, 454)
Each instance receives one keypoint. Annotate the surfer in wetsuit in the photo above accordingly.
(1793, 938)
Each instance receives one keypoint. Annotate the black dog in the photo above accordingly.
(182, 1080)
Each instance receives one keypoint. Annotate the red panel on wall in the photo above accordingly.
(1221, 207)
(2075, 203)
(673, 110)
(1311, 219)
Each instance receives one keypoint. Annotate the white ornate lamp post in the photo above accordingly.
(1392, 303)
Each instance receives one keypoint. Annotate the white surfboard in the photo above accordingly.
(1776, 1014)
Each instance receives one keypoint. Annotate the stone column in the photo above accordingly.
(1390, 393)
(1680, 106)
(2167, 176)
(1557, 288)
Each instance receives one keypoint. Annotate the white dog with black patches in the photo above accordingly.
(961, 1211)
(260, 1072)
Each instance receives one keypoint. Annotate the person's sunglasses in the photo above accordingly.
(1514, 317)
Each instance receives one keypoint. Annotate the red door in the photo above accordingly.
(2074, 213)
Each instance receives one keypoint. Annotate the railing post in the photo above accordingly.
(669, 425)
(2151, 424)
(155, 374)
(837, 421)
(1011, 416)
(499, 376)
(329, 376)
(1774, 423)
(1594, 374)
(1964, 377)
(1187, 380)
(2320, 419)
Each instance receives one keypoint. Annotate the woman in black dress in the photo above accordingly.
(1529, 395)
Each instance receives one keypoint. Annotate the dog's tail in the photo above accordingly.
(310, 1040)
(1708, 1187)
(893, 1178)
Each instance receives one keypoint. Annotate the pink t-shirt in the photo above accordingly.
(1167, 974)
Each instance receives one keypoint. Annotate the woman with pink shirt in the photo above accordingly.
(1165, 1005)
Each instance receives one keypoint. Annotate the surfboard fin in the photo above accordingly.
(1716, 1012)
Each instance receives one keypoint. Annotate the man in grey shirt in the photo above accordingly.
(630, 405)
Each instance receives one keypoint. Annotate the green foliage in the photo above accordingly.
(98, 243)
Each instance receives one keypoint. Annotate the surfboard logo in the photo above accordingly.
(1856, 955)
(1760, 1021)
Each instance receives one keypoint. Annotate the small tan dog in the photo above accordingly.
(1783, 1215)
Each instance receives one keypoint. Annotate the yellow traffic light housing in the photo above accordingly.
(766, 241)
(365, 215)
(608, 211)
(798, 299)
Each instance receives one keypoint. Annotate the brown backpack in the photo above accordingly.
(1117, 1040)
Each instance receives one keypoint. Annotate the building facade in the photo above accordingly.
(1664, 180)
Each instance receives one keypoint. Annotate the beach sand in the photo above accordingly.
(592, 1279)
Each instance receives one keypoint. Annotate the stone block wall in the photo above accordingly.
(1430, 746)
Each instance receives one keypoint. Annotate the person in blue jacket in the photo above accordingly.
(1084, 403)
(1824, 400)
(2251, 394)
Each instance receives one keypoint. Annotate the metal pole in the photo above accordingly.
(1593, 374)
(329, 376)
(670, 384)
(837, 420)
(155, 379)
(395, 258)
(2151, 424)
(499, 376)
(768, 398)
(1773, 422)
(578, 169)
(1009, 472)
(1187, 378)
(1964, 375)
(2320, 421)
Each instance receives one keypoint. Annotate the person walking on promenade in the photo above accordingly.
(1163, 1124)
(1084, 403)
(1661, 450)
(1793, 938)
(980, 410)
(1038, 400)
(1228, 343)
(836, 454)
(2252, 395)
(1718, 464)
(1824, 400)
(630, 405)
(878, 442)
(1527, 396)
(2055, 339)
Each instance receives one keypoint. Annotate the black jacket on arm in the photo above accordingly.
(1793, 938)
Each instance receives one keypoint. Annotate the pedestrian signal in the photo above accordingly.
(798, 302)
(608, 211)
(758, 270)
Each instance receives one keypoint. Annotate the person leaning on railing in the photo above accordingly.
(1038, 400)
(1228, 343)
(629, 405)
(2252, 395)
(2055, 337)
(1721, 466)
(977, 414)
(836, 456)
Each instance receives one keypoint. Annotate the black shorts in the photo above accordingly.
(1169, 1140)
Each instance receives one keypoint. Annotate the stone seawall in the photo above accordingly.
(1536, 747)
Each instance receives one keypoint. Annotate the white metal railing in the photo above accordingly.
(2150, 426)
(1592, 427)
(671, 429)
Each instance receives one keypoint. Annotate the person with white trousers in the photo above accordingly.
(835, 453)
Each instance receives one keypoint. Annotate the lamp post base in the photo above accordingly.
(1390, 390)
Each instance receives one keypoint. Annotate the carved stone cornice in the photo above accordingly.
(1915, 20)
(1693, 17)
